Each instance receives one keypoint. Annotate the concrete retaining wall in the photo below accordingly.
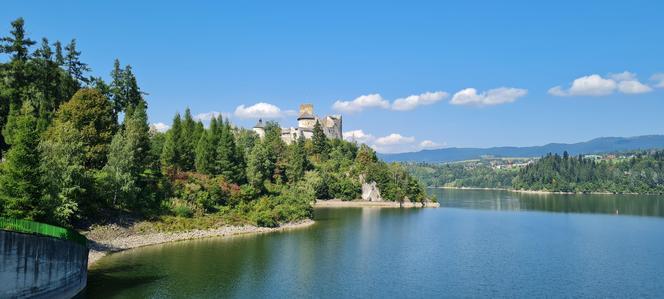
(41, 267)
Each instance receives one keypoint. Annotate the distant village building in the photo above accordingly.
(331, 125)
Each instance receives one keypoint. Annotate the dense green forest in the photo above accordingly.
(462, 174)
(639, 172)
(642, 173)
(77, 150)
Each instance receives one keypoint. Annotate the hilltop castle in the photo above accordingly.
(306, 120)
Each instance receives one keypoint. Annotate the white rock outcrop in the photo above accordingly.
(371, 192)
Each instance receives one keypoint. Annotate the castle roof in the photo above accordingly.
(259, 124)
(306, 115)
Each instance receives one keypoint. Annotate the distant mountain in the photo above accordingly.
(598, 145)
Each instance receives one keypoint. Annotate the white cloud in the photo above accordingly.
(502, 95)
(358, 136)
(360, 103)
(596, 85)
(624, 76)
(633, 87)
(261, 110)
(207, 116)
(392, 143)
(428, 144)
(160, 127)
(410, 102)
(593, 85)
(393, 139)
(659, 80)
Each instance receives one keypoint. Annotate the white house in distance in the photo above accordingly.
(331, 125)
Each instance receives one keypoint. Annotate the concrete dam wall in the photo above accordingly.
(34, 266)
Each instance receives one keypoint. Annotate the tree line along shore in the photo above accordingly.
(638, 172)
(78, 150)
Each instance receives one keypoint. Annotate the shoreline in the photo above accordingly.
(101, 248)
(543, 192)
(337, 203)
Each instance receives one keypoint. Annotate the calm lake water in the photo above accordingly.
(480, 243)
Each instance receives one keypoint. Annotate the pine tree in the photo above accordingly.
(187, 142)
(319, 139)
(20, 178)
(75, 67)
(225, 153)
(297, 161)
(59, 57)
(17, 45)
(205, 154)
(170, 155)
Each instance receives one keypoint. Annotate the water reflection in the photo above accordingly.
(640, 205)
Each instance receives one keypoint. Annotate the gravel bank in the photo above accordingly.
(101, 246)
(335, 203)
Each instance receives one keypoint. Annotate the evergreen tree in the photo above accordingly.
(170, 155)
(205, 154)
(297, 161)
(187, 143)
(320, 141)
(59, 57)
(225, 163)
(75, 67)
(17, 45)
(20, 176)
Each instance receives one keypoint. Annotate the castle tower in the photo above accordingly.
(306, 119)
(259, 128)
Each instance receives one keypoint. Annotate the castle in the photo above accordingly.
(306, 120)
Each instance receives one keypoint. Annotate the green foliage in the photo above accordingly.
(320, 141)
(297, 161)
(205, 154)
(641, 173)
(170, 154)
(20, 175)
(65, 177)
(187, 142)
(17, 44)
(124, 90)
(69, 162)
(91, 114)
(475, 174)
(260, 165)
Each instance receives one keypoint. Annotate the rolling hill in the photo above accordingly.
(598, 145)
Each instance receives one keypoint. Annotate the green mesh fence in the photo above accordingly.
(30, 227)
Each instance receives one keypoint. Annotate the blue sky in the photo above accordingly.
(216, 57)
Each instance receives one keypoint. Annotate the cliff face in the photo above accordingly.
(34, 266)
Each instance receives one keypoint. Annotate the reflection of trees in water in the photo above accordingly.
(641, 205)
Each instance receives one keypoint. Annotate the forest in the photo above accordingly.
(77, 150)
(641, 172)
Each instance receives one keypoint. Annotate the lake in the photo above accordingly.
(478, 244)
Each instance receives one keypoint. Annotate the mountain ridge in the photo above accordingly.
(593, 146)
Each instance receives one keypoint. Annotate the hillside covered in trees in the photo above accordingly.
(77, 150)
(640, 172)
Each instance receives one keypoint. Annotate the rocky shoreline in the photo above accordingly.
(101, 246)
(542, 192)
(336, 203)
